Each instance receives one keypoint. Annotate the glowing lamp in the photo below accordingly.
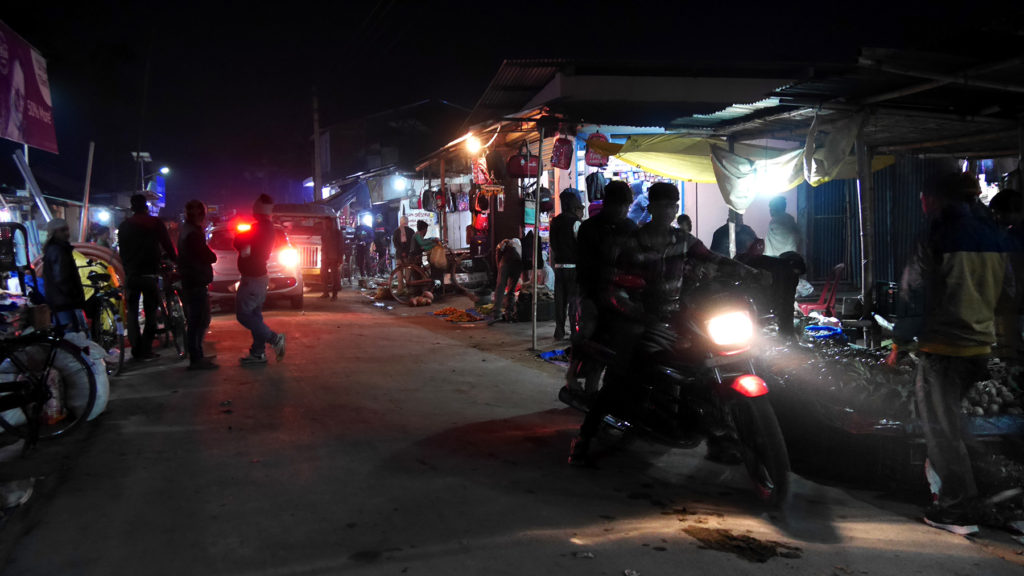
(473, 144)
(165, 170)
(103, 216)
(288, 257)
(243, 227)
(399, 183)
(367, 219)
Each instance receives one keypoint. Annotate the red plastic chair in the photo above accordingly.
(826, 304)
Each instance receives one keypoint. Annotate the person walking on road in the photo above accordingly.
(254, 248)
(62, 283)
(195, 263)
(956, 274)
(141, 240)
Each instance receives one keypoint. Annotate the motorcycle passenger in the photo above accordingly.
(657, 253)
(601, 239)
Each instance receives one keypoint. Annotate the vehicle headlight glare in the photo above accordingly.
(289, 257)
(731, 329)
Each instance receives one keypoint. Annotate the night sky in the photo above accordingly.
(221, 92)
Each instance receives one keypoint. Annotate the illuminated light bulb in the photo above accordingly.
(473, 144)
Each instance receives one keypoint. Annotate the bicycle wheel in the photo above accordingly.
(59, 388)
(176, 323)
(108, 331)
(406, 282)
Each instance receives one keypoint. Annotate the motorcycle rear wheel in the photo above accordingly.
(763, 448)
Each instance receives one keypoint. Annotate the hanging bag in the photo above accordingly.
(593, 157)
(523, 166)
(561, 153)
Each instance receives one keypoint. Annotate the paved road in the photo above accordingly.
(392, 442)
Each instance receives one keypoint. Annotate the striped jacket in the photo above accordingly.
(954, 279)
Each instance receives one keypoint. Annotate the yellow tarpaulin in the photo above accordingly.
(689, 159)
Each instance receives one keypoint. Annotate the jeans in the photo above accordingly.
(508, 278)
(149, 290)
(71, 320)
(252, 293)
(567, 295)
(197, 311)
(939, 385)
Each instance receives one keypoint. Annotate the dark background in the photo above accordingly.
(222, 92)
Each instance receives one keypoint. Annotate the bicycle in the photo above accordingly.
(47, 386)
(170, 313)
(105, 310)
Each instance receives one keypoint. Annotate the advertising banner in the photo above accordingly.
(26, 110)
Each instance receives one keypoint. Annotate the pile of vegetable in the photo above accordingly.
(990, 398)
(460, 316)
(447, 311)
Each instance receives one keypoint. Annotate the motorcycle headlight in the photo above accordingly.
(732, 329)
(288, 257)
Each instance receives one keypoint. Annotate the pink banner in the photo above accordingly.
(26, 111)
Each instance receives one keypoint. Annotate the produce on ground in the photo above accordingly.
(447, 311)
(460, 316)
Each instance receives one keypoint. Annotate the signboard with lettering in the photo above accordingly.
(26, 115)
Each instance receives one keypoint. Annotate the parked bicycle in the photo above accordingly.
(105, 309)
(171, 313)
(47, 386)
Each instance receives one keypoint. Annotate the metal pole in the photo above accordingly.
(536, 234)
(85, 201)
(317, 184)
(865, 196)
(443, 211)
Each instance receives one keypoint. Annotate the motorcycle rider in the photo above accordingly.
(631, 313)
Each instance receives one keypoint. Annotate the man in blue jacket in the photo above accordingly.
(955, 276)
(254, 248)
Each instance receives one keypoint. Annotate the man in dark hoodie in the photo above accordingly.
(141, 240)
(63, 285)
(195, 263)
(254, 248)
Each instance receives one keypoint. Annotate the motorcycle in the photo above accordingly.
(697, 382)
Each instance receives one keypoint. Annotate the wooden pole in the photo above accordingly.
(83, 230)
(865, 196)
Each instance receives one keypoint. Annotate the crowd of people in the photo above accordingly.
(965, 274)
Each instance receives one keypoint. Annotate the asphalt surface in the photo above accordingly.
(389, 441)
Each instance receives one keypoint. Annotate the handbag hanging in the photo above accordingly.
(561, 153)
(593, 157)
(523, 166)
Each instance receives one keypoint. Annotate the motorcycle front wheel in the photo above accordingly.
(763, 448)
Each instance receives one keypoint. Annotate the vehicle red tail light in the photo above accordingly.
(243, 227)
(750, 386)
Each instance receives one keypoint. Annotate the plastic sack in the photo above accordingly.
(804, 289)
(97, 362)
(69, 369)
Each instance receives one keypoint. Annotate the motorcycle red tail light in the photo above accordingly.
(750, 386)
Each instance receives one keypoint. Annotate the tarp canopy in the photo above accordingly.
(749, 169)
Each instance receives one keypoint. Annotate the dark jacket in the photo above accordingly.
(141, 238)
(195, 259)
(745, 236)
(331, 245)
(563, 239)
(403, 249)
(62, 283)
(259, 241)
(600, 239)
